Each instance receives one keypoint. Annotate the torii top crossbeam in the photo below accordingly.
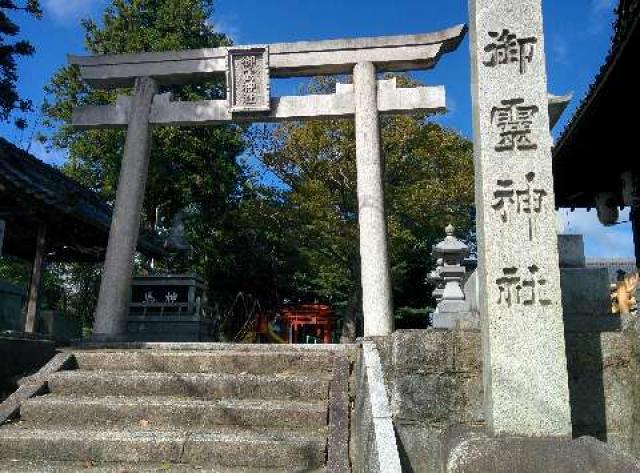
(305, 58)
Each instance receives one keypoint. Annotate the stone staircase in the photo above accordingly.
(226, 409)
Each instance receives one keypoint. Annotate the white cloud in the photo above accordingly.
(560, 49)
(70, 11)
(227, 24)
(599, 15)
(599, 6)
(600, 241)
(55, 157)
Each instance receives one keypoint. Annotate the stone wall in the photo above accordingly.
(21, 357)
(11, 301)
(604, 385)
(435, 387)
(373, 443)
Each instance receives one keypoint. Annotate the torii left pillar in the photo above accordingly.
(111, 313)
(376, 286)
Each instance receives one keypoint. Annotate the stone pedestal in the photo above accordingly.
(478, 453)
(525, 375)
(170, 308)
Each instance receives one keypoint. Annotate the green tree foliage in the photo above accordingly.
(293, 236)
(191, 169)
(428, 184)
(10, 50)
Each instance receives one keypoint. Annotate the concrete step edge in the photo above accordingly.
(151, 401)
(163, 413)
(20, 430)
(203, 347)
(30, 466)
(159, 374)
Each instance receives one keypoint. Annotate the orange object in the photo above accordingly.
(317, 320)
(318, 317)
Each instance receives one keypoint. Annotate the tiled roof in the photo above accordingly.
(51, 187)
(57, 198)
(627, 14)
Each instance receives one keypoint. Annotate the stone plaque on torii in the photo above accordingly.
(248, 71)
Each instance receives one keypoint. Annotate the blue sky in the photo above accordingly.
(577, 39)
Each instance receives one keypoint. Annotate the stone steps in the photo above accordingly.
(93, 467)
(174, 408)
(165, 412)
(232, 362)
(189, 385)
(228, 448)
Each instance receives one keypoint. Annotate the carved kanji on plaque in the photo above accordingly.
(507, 48)
(525, 287)
(515, 121)
(511, 199)
(248, 87)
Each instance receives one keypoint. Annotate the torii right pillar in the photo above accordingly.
(525, 365)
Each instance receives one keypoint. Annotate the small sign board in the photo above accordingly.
(248, 88)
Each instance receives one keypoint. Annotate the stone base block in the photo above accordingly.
(477, 453)
(461, 320)
(585, 291)
(170, 329)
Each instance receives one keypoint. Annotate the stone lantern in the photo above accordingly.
(452, 252)
(454, 309)
(436, 279)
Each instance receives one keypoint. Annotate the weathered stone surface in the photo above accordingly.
(338, 440)
(22, 356)
(167, 413)
(523, 338)
(390, 53)
(32, 386)
(571, 251)
(506, 455)
(113, 299)
(431, 398)
(196, 385)
(452, 320)
(585, 291)
(166, 112)
(603, 379)
(423, 351)
(233, 421)
(204, 362)
(31, 466)
(376, 283)
(419, 446)
(468, 351)
(374, 445)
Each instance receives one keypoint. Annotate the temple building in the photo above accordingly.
(48, 217)
(595, 165)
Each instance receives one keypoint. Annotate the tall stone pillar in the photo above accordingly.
(111, 313)
(33, 304)
(376, 286)
(525, 365)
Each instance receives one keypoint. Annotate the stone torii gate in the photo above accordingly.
(248, 71)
